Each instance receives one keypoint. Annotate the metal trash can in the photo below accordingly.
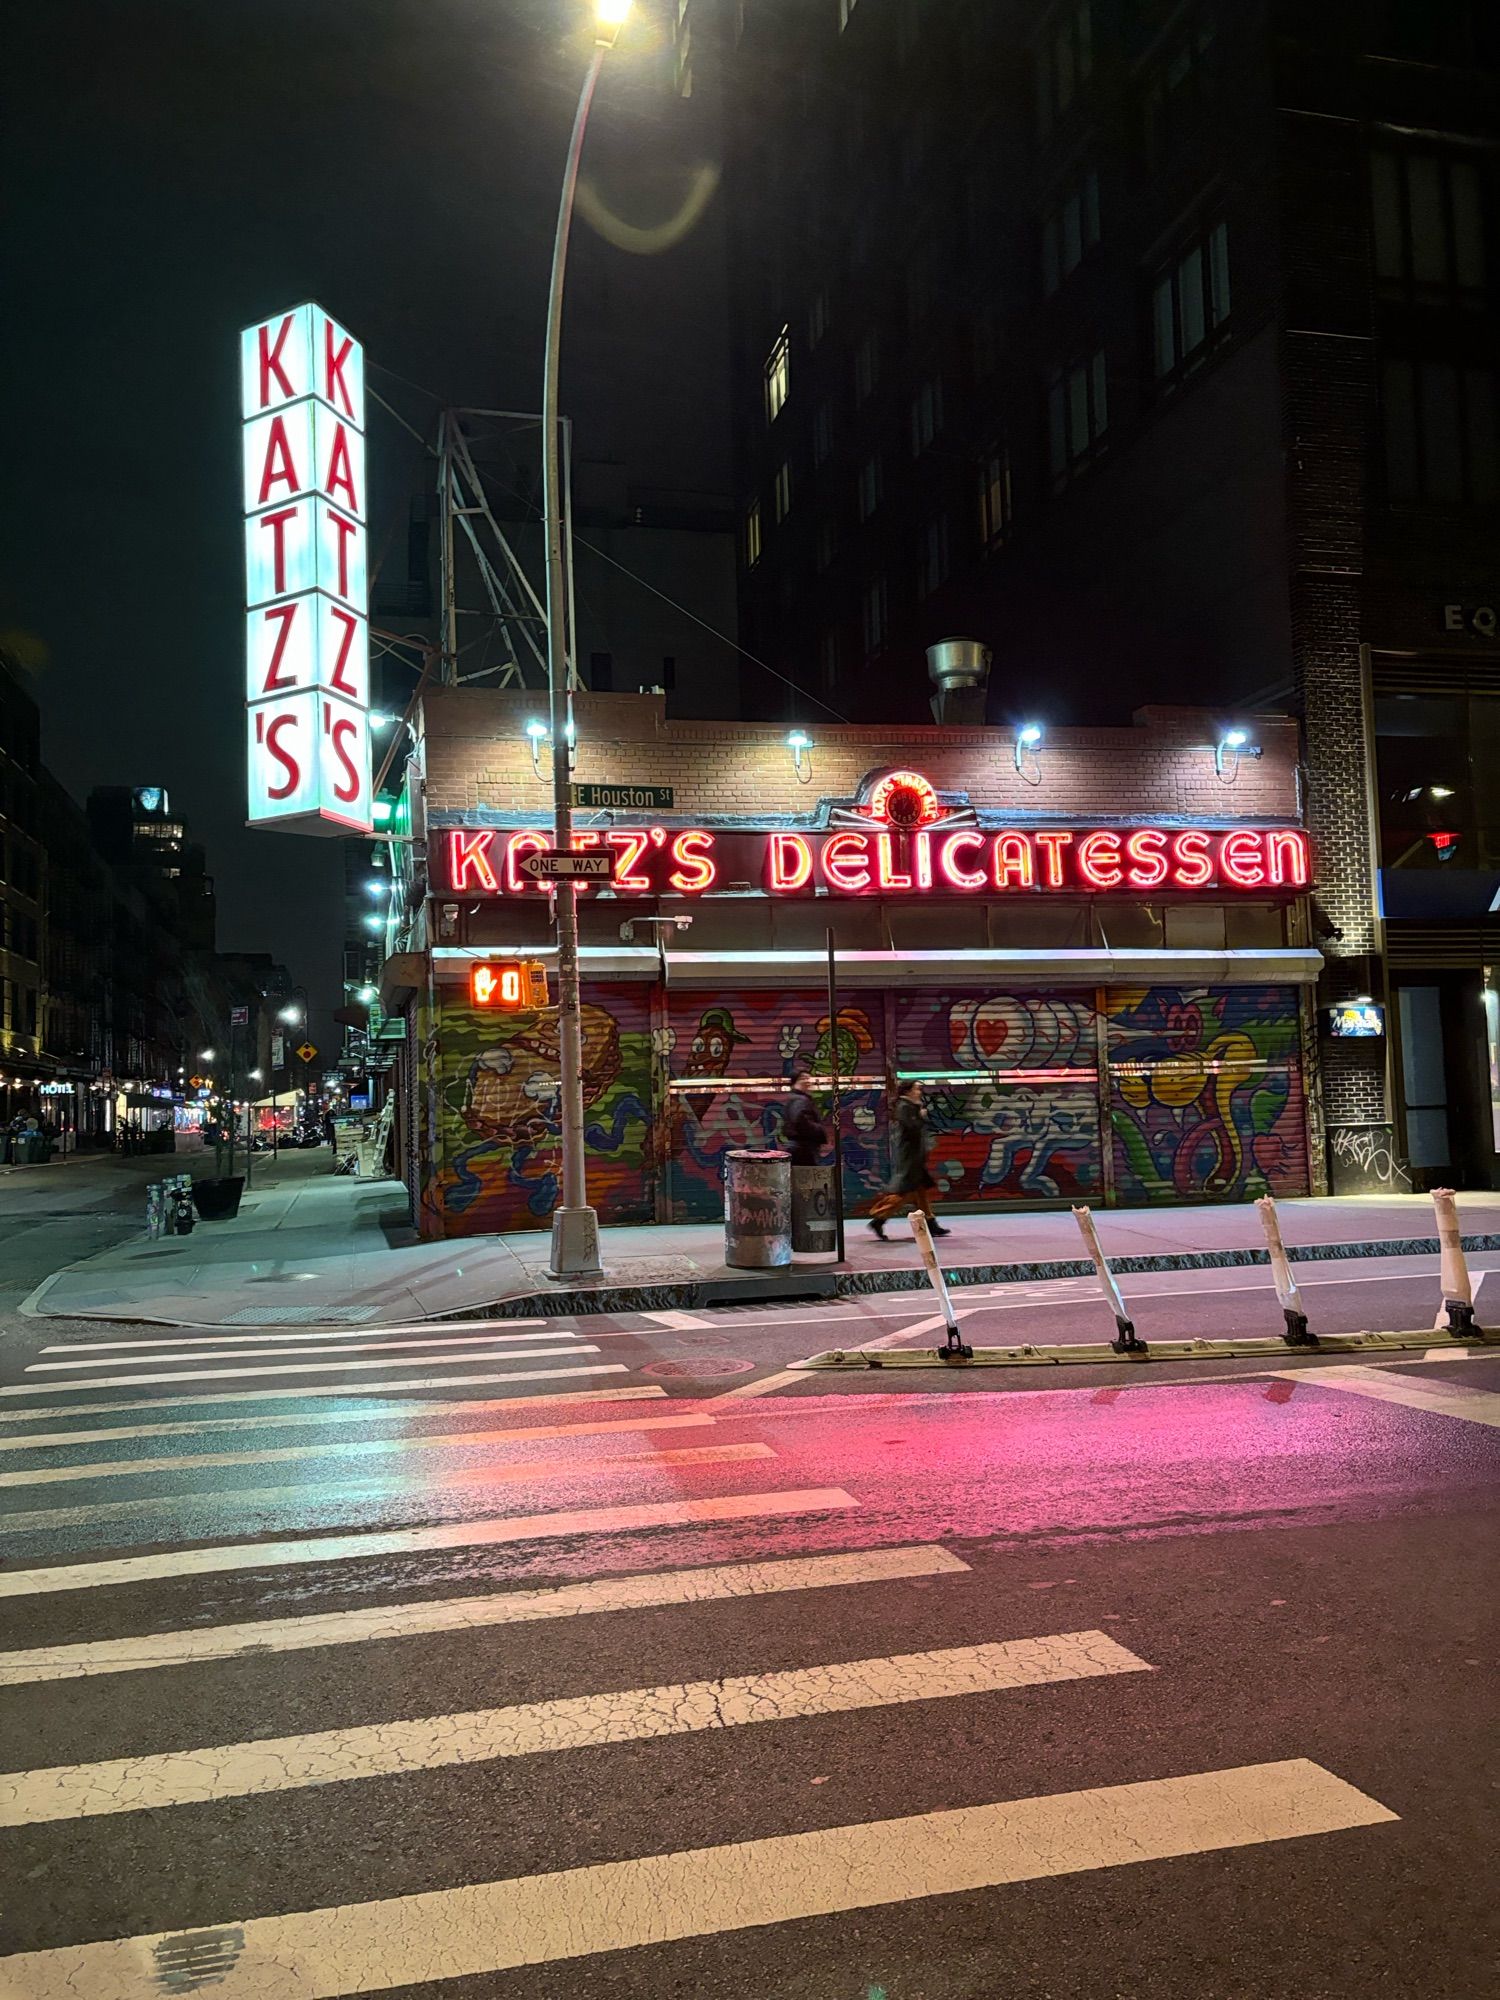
(757, 1210)
(814, 1227)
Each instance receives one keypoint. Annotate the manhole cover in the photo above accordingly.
(699, 1370)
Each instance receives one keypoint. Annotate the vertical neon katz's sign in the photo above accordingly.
(307, 642)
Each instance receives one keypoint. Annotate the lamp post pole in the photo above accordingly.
(575, 1227)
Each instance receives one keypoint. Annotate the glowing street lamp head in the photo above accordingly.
(369, 994)
(1032, 733)
(536, 730)
(1236, 739)
(292, 1014)
(799, 743)
(610, 16)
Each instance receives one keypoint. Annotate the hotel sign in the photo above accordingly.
(307, 648)
(886, 860)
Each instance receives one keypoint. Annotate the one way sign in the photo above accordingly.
(556, 866)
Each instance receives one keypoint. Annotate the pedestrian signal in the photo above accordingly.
(509, 987)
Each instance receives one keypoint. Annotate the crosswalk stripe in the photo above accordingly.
(679, 1322)
(566, 1343)
(715, 1584)
(338, 1492)
(487, 1927)
(216, 1336)
(339, 1413)
(333, 1368)
(389, 1749)
(409, 1541)
(118, 1468)
(1472, 1406)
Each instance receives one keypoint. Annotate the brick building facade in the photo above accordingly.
(1095, 951)
(1155, 346)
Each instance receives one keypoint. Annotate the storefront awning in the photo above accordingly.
(1005, 968)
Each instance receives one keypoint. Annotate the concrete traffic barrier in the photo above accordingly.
(955, 1348)
(1298, 1333)
(1456, 1312)
(1125, 1340)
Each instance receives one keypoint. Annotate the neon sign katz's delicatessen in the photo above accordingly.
(902, 842)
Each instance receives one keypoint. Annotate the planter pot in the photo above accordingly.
(218, 1200)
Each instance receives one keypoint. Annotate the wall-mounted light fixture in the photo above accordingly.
(536, 736)
(1028, 737)
(1233, 743)
(800, 744)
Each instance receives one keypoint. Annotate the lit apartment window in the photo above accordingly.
(1428, 212)
(932, 569)
(874, 616)
(869, 486)
(817, 318)
(866, 366)
(926, 415)
(1068, 231)
(822, 434)
(1190, 305)
(778, 376)
(994, 497)
(1077, 417)
(1064, 63)
(752, 534)
(1442, 440)
(783, 492)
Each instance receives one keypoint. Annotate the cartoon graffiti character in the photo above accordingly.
(709, 1056)
(854, 1040)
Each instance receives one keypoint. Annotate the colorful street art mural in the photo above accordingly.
(757, 1040)
(1205, 1093)
(1027, 1126)
(1200, 1098)
(497, 1162)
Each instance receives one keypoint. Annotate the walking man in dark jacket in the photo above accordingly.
(802, 1131)
(911, 1183)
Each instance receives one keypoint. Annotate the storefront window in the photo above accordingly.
(1435, 755)
(1422, 1076)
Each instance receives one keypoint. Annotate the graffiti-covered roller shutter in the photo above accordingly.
(729, 1059)
(1206, 1093)
(1011, 1082)
(498, 1154)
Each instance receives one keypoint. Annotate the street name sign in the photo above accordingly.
(623, 798)
(555, 866)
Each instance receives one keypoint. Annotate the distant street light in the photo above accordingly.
(290, 1014)
(205, 1055)
(257, 1075)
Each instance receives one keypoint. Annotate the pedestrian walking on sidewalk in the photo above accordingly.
(911, 1181)
(802, 1131)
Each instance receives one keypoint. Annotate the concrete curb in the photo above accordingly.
(1099, 1354)
(689, 1295)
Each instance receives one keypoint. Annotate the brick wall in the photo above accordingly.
(475, 755)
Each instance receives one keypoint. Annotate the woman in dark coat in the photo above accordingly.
(911, 1183)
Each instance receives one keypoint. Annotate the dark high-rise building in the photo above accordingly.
(1155, 346)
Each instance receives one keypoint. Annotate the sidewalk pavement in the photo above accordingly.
(309, 1247)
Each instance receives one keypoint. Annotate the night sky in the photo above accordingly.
(175, 171)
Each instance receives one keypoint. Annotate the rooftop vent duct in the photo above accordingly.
(959, 670)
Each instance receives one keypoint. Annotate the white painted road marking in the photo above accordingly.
(417, 1541)
(336, 1492)
(329, 1389)
(487, 1927)
(632, 1715)
(767, 1385)
(721, 1583)
(338, 1396)
(114, 1468)
(680, 1322)
(300, 1366)
(1471, 1406)
(249, 1341)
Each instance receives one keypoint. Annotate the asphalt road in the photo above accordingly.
(344, 1665)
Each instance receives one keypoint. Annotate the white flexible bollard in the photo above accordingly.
(955, 1348)
(1456, 1312)
(1125, 1340)
(1297, 1333)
